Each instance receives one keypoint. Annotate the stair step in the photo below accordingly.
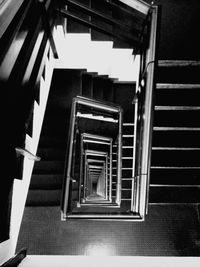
(176, 148)
(177, 118)
(163, 128)
(175, 167)
(43, 197)
(48, 167)
(128, 124)
(175, 158)
(128, 130)
(187, 98)
(52, 153)
(177, 86)
(46, 181)
(178, 72)
(51, 140)
(126, 194)
(174, 194)
(175, 176)
(177, 108)
(178, 63)
(127, 135)
(189, 139)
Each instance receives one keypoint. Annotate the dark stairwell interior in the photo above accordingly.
(174, 184)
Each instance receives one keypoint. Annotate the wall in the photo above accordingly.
(24, 51)
(179, 32)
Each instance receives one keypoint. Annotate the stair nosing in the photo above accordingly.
(175, 167)
(177, 148)
(177, 108)
(163, 128)
(175, 185)
(177, 86)
(178, 63)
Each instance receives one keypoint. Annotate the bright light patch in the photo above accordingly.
(98, 250)
(79, 51)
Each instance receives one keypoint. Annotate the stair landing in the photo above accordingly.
(100, 260)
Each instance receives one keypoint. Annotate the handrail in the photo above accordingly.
(101, 16)
(26, 153)
(16, 259)
(68, 164)
(98, 137)
(132, 41)
(91, 152)
(96, 104)
(144, 107)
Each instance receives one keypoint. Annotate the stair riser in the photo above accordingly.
(180, 97)
(177, 118)
(174, 195)
(175, 158)
(178, 75)
(176, 139)
(49, 167)
(175, 176)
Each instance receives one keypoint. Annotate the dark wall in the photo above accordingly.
(22, 52)
(169, 230)
(179, 32)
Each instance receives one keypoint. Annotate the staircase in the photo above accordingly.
(47, 178)
(175, 166)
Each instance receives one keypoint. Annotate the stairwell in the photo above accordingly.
(46, 182)
(173, 159)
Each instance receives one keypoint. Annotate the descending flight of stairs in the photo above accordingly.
(46, 182)
(175, 166)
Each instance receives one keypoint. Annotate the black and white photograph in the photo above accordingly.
(100, 126)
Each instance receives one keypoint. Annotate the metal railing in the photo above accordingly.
(68, 164)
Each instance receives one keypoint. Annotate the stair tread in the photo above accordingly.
(178, 63)
(177, 86)
(163, 128)
(174, 195)
(176, 185)
(174, 108)
(176, 167)
(177, 148)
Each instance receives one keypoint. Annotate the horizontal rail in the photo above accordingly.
(96, 142)
(98, 137)
(131, 41)
(96, 104)
(95, 117)
(89, 152)
(101, 16)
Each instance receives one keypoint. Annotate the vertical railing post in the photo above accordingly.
(144, 108)
(69, 160)
(119, 161)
